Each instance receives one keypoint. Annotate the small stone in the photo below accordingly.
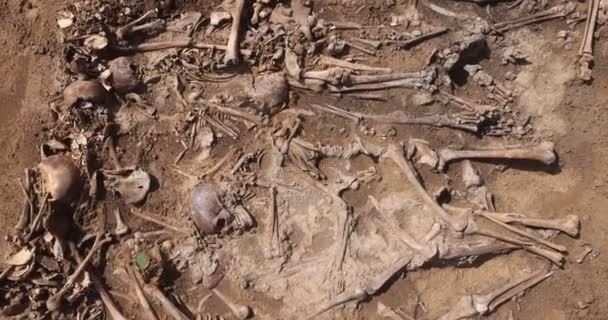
(510, 76)
(562, 34)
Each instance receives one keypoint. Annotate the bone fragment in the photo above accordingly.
(121, 227)
(233, 47)
(26, 211)
(54, 302)
(543, 152)
(475, 304)
(239, 311)
(106, 299)
(158, 220)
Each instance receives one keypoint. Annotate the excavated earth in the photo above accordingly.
(560, 108)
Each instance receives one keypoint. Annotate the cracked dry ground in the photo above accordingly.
(292, 275)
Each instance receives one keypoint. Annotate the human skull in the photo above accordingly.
(209, 214)
(131, 184)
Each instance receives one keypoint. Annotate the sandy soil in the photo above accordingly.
(561, 110)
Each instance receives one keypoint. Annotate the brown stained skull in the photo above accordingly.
(209, 214)
(84, 90)
(271, 92)
(61, 177)
(123, 78)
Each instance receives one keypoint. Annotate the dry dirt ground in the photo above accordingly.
(562, 110)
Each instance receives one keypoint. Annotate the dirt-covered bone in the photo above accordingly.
(132, 184)
(106, 299)
(558, 11)
(124, 79)
(61, 177)
(241, 312)
(481, 304)
(54, 302)
(270, 93)
(84, 90)
(137, 25)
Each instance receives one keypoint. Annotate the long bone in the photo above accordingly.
(586, 50)
(137, 282)
(54, 302)
(239, 311)
(569, 224)
(175, 44)
(426, 251)
(587, 44)
(232, 51)
(543, 152)
(472, 228)
(398, 117)
(480, 304)
(395, 153)
(136, 25)
(106, 299)
(374, 284)
(167, 305)
(465, 249)
(340, 76)
(555, 12)
(368, 289)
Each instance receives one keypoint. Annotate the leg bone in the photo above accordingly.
(106, 299)
(54, 302)
(544, 152)
(472, 305)
(239, 311)
(232, 52)
(396, 155)
(167, 305)
(569, 225)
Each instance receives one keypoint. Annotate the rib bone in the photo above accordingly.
(232, 51)
(239, 311)
(544, 152)
(475, 304)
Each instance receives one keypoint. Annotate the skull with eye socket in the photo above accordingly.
(211, 216)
